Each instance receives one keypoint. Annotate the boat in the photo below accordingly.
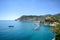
(10, 26)
(36, 28)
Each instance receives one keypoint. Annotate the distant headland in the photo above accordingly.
(43, 18)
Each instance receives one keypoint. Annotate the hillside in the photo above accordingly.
(37, 18)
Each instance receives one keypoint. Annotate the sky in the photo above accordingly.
(12, 9)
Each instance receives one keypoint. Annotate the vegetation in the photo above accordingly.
(30, 18)
(56, 27)
(56, 30)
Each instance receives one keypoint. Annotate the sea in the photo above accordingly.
(24, 30)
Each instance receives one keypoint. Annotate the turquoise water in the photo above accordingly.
(24, 31)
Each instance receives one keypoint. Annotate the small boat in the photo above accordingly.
(10, 26)
(36, 28)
